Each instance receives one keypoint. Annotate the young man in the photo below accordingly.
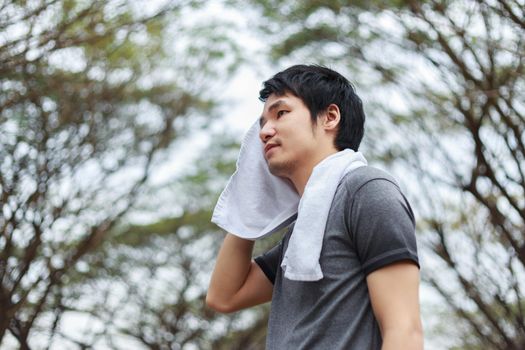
(368, 295)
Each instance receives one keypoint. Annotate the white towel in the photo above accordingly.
(301, 259)
(256, 203)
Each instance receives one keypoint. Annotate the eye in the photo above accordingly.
(280, 113)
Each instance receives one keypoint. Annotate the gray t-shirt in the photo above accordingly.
(370, 225)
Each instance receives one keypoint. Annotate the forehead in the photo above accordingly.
(277, 100)
(273, 98)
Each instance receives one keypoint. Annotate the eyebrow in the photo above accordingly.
(272, 107)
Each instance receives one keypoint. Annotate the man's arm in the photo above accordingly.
(237, 282)
(394, 293)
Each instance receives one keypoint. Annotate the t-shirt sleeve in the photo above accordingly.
(269, 262)
(382, 225)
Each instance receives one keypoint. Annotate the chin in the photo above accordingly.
(282, 169)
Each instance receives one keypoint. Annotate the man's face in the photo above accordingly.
(287, 133)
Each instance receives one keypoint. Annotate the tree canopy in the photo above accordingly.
(96, 95)
(92, 95)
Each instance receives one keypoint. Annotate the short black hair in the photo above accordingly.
(318, 87)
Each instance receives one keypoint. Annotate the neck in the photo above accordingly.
(300, 177)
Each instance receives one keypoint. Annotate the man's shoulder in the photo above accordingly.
(355, 180)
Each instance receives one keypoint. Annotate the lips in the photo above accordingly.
(269, 147)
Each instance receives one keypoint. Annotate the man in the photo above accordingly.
(368, 295)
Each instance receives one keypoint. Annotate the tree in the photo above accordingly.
(445, 88)
(147, 282)
(93, 94)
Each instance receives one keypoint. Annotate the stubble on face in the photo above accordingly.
(283, 169)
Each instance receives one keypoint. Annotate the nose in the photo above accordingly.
(267, 132)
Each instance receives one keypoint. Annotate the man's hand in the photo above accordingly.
(394, 293)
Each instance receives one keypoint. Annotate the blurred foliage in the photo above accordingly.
(148, 281)
(93, 96)
(443, 85)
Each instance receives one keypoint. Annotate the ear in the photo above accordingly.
(331, 118)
